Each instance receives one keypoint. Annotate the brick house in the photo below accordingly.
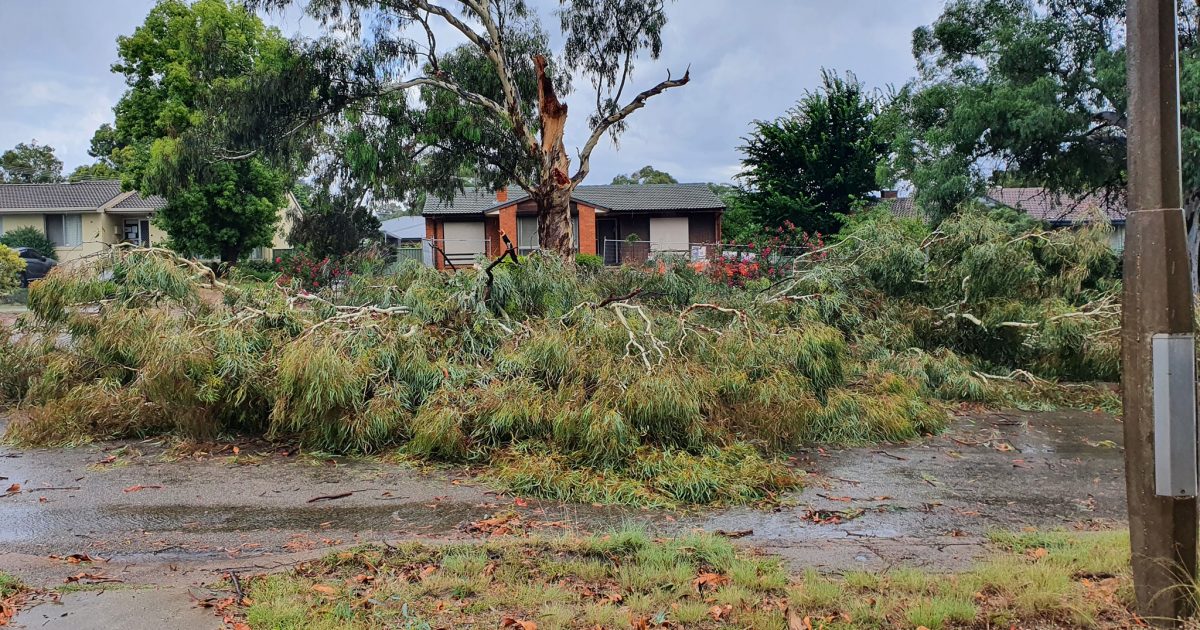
(616, 222)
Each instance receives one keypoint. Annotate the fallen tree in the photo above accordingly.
(666, 386)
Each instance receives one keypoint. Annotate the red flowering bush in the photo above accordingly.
(311, 273)
(770, 257)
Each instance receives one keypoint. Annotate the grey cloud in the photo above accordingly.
(750, 59)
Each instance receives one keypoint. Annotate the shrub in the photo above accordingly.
(28, 236)
(589, 262)
(11, 266)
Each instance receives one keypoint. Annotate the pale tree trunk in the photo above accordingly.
(553, 195)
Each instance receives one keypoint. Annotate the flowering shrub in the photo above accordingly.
(769, 258)
(310, 273)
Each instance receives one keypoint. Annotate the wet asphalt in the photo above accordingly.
(168, 522)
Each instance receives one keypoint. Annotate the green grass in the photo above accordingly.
(1039, 579)
(9, 585)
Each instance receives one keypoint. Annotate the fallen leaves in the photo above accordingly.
(519, 624)
(90, 578)
(831, 517)
(709, 580)
(75, 558)
(324, 589)
(13, 489)
(139, 487)
(720, 612)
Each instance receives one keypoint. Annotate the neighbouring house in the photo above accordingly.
(83, 218)
(620, 223)
(406, 235)
(1055, 209)
(403, 231)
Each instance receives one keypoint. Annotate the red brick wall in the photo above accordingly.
(508, 225)
(587, 229)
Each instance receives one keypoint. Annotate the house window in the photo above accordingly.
(527, 234)
(65, 230)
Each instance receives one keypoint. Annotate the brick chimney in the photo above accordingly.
(502, 195)
(889, 194)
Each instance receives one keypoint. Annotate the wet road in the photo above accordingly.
(926, 504)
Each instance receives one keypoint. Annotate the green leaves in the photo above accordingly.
(809, 165)
(174, 64)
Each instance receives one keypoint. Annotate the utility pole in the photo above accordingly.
(1157, 336)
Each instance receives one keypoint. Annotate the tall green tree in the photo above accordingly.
(173, 64)
(810, 165)
(645, 175)
(1035, 88)
(30, 163)
(430, 86)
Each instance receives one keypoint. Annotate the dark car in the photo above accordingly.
(37, 264)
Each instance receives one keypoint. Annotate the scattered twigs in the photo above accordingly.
(618, 298)
(330, 497)
(656, 353)
(739, 316)
(1015, 375)
(237, 587)
(445, 258)
(509, 251)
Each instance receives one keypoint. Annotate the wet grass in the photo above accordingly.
(629, 579)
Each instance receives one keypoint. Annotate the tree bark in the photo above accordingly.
(553, 194)
(229, 256)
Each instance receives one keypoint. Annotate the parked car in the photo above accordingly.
(37, 264)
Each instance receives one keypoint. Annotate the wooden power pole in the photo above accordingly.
(1157, 337)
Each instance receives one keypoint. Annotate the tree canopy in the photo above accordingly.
(30, 163)
(331, 224)
(645, 175)
(409, 107)
(173, 63)
(1033, 89)
(810, 165)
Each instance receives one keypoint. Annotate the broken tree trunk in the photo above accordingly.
(553, 195)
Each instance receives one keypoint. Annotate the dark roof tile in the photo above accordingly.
(85, 195)
(648, 197)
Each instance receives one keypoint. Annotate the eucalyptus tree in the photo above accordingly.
(1035, 88)
(417, 91)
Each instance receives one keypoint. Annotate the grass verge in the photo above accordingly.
(12, 591)
(628, 579)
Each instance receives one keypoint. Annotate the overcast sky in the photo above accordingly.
(750, 59)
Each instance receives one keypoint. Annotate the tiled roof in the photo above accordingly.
(1060, 209)
(903, 208)
(648, 197)
(86, 195)
(651, 197)
(1039, 203)
(137, 202)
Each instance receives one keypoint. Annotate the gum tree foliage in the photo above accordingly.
(173, 63)
(30, 163)
(812, 163)
(414, 106)
(331, 223)
(1033, 88)
(645, 175)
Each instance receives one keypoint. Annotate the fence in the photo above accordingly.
(626, 252)
(453, 252)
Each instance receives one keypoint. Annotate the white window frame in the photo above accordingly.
(64, 221)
